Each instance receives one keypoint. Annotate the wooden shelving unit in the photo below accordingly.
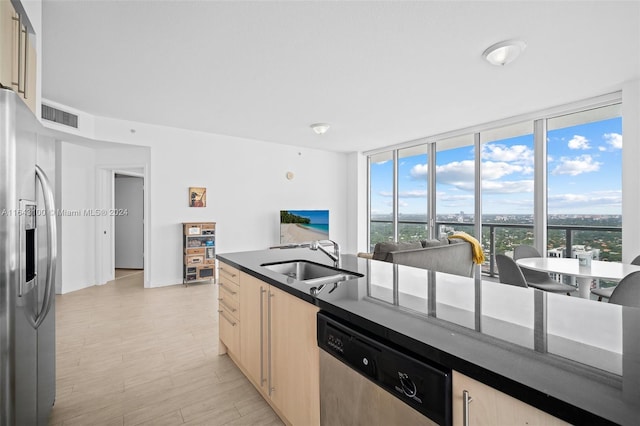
(199, 251)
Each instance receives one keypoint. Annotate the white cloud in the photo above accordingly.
(495, 170)
(455, 171)
(614, 140)
(507, 187)
(459, 174)
(602, 148)
(448, 197)
(520, 154)
(589, 200)
(576, 165)
(579, 142)
(419, 171)
(416, 193)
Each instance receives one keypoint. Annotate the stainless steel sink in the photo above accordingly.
(310, 272)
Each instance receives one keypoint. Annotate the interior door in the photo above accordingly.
(129, 225)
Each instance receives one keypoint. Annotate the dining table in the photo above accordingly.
(598, 269)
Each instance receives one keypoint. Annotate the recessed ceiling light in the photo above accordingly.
(320, 128)
(504, 52)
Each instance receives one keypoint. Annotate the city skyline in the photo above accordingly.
(584, 175)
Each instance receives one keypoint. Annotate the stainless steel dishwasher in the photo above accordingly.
(364, 381)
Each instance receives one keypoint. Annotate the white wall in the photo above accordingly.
(77, 230)
(357, 199)
(246, 189)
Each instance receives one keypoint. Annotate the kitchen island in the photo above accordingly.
(575, 359)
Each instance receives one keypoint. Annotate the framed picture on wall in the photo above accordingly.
(197, 197)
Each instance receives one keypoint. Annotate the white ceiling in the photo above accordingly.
(380, 73)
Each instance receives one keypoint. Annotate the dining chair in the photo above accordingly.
(509, 272)
(627, 292)
(539, 279)
(605, 292)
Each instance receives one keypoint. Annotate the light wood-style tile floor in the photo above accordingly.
(128, 355)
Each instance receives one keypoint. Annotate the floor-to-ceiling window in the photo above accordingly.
(507, 169)
(413, 167)
(381, 198)
(578, 153)
(584, 195)
(455, 185)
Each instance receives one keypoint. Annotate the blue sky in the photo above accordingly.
(584, 175)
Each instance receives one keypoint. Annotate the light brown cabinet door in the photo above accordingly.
(229, 331)
(491, 407)
(295, 375)
(17, 51)
(253, 303)
(7, 42)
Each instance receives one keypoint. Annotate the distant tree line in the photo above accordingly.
(286, 217)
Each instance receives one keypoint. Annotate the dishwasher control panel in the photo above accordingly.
(422, 385)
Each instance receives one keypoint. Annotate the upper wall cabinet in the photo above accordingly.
(17, 54)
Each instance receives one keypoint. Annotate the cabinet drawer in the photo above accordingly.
(229, 304)
(229, 273)
(192, 251)
(229, 329)
(192, 229)
(205, 272)
(228, 290)
(194, 260)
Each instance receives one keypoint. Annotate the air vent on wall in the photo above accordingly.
(59, 116)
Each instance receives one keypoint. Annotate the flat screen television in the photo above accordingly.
(302, 226)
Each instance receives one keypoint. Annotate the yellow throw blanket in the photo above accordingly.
(478, 254)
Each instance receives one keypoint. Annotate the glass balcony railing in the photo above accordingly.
(501, 238)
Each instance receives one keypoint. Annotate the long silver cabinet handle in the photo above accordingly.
(221, 312)
(226, 305)
(25, 70)
(227, 272)
(227, 288)
(466, 400)
(20, 52)
(52, 244)
(271, 389)
(262, 292)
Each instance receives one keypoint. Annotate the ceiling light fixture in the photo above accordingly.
(504, 52)
(320, 128)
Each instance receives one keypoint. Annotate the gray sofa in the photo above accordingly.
(453, 256)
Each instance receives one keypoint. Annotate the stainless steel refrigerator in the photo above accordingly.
(27, 266)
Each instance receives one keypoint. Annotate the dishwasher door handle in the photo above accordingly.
(466, 400)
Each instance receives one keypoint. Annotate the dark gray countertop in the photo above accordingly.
(584, 368)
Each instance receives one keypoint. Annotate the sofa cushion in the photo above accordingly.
(381, 250)
(434, 243)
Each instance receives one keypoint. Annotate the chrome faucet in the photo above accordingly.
(335, 256)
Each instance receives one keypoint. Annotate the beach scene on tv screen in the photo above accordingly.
(301, 226)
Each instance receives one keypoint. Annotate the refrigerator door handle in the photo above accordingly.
(52, 245)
